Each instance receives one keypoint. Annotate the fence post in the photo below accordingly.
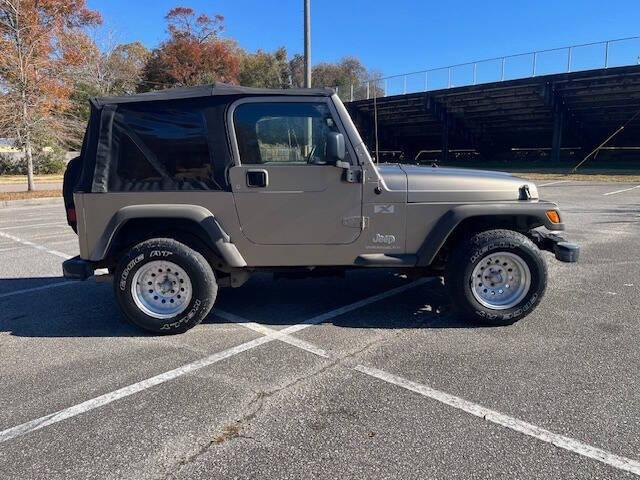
(352, 92)
(535, 55)
(386, 86)
(426, 81)
(606, 55)
(449, 86)
(502, 69)
(569, 60)
(368, 86)
(475, 68)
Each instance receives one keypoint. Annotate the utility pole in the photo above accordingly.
(307, 43)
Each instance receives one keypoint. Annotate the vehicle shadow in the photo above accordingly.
(88, 309)
(78, 309)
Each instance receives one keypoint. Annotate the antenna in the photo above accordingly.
(375, 121)
(375, 130)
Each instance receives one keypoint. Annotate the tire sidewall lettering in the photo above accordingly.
(157, 254)
(127, 270)
(197, 303)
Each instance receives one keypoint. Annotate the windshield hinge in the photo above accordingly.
(353, 174)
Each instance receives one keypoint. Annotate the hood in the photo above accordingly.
(454, 185)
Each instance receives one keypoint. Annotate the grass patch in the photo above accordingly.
(15, 179)
(579, 177)
(540, 171)
(4, 196)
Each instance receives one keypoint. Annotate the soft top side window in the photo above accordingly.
(161, 146)
(287, 133)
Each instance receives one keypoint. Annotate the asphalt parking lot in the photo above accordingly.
(372, 376)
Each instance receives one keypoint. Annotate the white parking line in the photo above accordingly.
(256, 327)
(620, 191)
(107, 398)
(26, 219)
(33, 225)
(35, 289)
(520, 426)
(35, 245)
(554, 183)
(560, 441)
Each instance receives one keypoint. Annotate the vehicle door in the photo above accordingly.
(287, 187)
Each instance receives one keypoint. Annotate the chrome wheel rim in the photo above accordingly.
(500, 280)
(161, 289)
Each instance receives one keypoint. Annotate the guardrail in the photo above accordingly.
(586, 56)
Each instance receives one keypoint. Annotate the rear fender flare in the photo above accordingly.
(217, 238)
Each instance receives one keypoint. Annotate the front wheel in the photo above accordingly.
(496, 277)
(164, 287)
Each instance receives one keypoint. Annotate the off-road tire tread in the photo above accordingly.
(465, 256)
(205, 287)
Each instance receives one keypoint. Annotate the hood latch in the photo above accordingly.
(525, 193)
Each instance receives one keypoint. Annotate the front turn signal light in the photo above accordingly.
(553, 216)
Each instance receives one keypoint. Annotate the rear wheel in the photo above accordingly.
(164, 286)
(497, 277)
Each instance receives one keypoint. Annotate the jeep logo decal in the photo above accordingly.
(387, 239)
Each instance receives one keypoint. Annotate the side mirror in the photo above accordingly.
(335, 146)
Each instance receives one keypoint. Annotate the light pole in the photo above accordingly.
(307, 43)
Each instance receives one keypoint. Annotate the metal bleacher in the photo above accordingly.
(531, 107)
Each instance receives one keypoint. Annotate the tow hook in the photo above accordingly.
(564, 251)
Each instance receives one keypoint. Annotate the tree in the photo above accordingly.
(108, 69)
(342, 74)
(296, 69)
(36, 49)
(123, 66)
(348, 71)
(194, 53)
(265, 70)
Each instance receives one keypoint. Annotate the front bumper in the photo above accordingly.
(77, 269)
(554, 243)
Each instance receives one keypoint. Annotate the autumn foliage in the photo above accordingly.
(194, 53)
(38, 45)
(51, 63)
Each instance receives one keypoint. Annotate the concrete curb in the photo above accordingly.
(31, 201)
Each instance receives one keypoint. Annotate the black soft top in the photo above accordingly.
(117, 123)
(209, 91)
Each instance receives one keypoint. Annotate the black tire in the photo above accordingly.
(204, 287)
(468, 254)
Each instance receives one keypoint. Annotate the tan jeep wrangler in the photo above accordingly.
(179, 192)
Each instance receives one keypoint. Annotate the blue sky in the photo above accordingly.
(393, 36)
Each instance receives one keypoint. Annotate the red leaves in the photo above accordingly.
(183, 23)
(193, 54)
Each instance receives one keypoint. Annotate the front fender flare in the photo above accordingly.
(217, 238)
(437, 237)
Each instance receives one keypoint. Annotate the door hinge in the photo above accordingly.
(356, 222)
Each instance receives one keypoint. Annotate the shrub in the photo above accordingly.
(44, 163)
(11, 163)
(48, 163)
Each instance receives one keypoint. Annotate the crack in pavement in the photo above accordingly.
(231, 432)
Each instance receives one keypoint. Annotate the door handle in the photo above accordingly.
(257, 178)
